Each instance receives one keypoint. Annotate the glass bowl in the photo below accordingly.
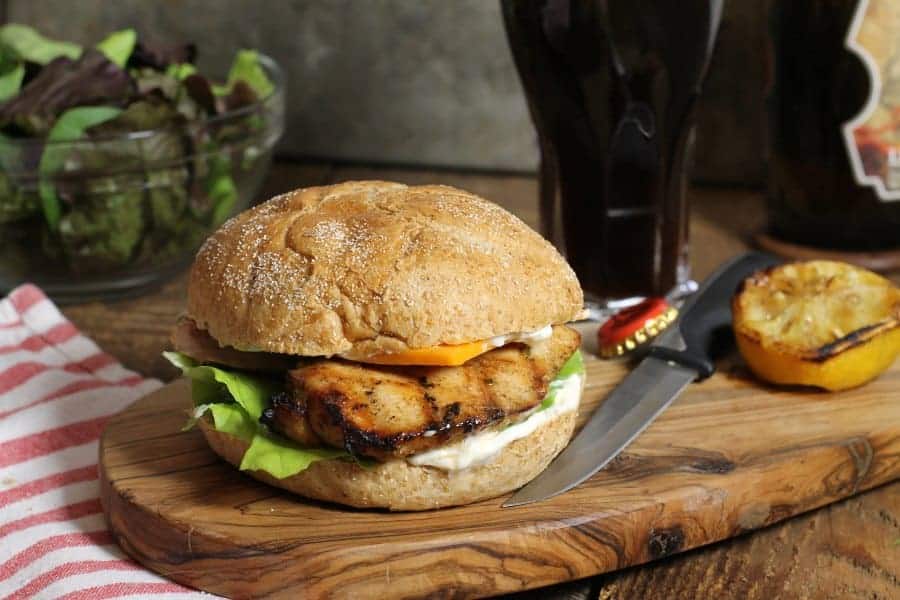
(121, 214)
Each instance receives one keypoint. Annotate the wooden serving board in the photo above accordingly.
(729, 456)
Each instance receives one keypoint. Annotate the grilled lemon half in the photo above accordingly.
(819, 323)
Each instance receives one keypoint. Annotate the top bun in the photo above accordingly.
(365, 267)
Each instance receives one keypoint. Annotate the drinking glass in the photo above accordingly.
(612, 87)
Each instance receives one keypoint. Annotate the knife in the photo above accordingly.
(678, 357)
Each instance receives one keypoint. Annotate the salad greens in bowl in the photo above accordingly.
(118, 160)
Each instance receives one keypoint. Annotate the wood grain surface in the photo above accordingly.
(730, 456)
(849, 549)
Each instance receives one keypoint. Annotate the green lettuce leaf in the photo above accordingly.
(167, 195)
(196, 415)
(102, 229)
(229, 418)
(118, 46)
(237, 412)
(233, 419)
(11, 81)
(71, 125)
(31, 46)
(220, 188)
(573, 366)
(249, 391)
(247, 68)
(282, 458)
(180, 71)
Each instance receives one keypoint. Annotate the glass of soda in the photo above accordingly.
(612, 86)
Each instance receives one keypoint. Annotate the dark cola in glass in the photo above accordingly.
(612, 86)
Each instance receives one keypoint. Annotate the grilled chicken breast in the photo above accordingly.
(391, 412)
(202, 347)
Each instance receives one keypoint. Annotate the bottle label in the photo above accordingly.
(873, 136)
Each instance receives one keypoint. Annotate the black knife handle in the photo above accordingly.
(688, 340)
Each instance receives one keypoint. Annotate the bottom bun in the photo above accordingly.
(399, 485)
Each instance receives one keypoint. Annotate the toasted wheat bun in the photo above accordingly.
(400, 486)
(369, 267)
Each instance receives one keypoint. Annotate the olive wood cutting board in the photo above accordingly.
(730, 455)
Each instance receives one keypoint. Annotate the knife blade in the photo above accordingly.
(680, 356)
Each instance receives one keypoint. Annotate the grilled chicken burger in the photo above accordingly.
(379, 345)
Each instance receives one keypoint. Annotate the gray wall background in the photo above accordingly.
(427, 82)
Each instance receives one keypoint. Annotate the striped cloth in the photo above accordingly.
(57, 389)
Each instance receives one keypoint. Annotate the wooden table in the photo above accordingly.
(834, 552)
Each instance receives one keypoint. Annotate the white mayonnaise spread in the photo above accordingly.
(481, 448)
(523, 337)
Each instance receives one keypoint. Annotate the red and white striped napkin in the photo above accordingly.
(57, 389)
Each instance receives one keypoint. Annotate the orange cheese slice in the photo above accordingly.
(445, 355)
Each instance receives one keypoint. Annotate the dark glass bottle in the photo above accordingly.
(820, 83)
